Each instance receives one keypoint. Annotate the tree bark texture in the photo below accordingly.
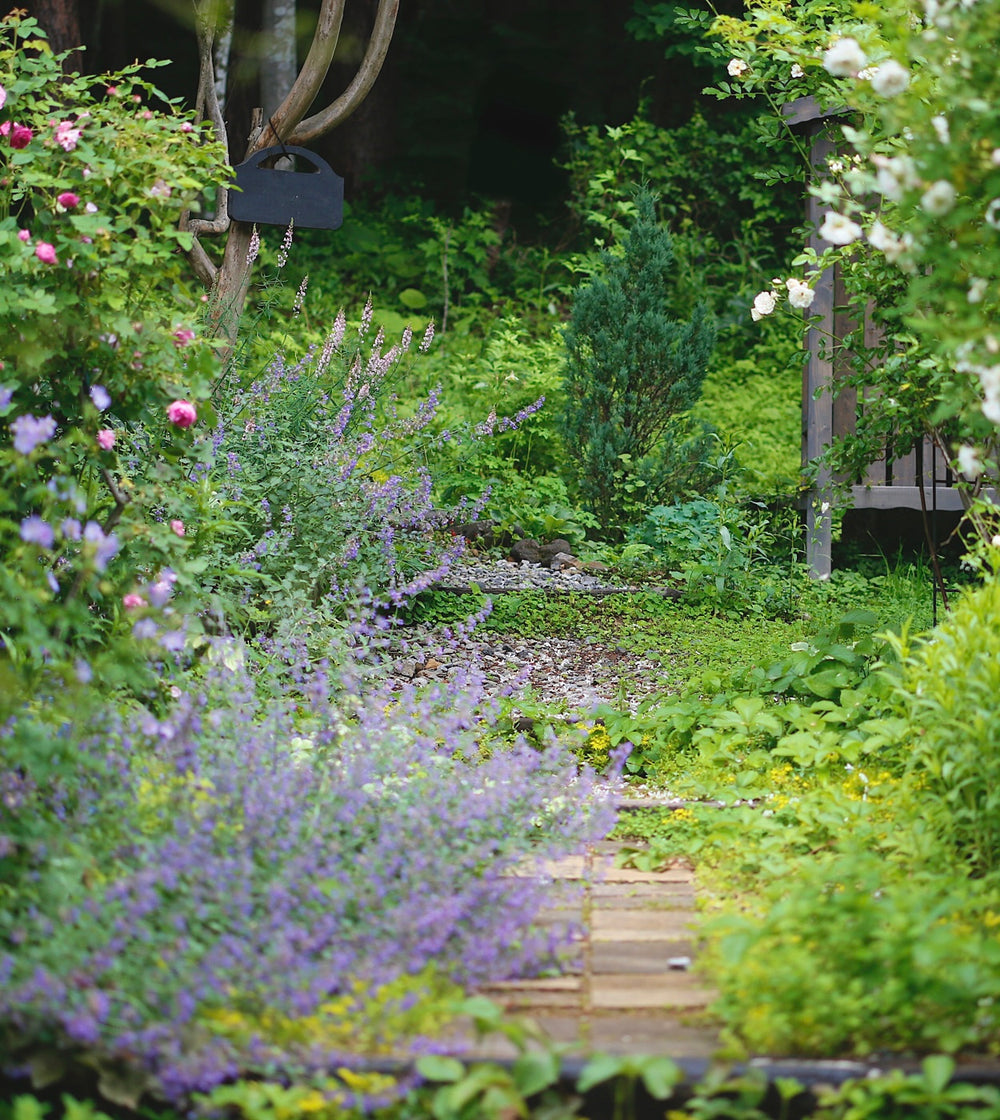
(60, 19)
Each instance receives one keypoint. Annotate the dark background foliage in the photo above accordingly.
(472, 93)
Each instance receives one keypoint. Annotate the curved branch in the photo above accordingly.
(378, 45)
(204, 267)
(207, 105)
(307, 85)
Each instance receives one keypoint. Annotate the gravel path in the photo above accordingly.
(575, 674)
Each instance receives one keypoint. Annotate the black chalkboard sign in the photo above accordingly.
(267, 196)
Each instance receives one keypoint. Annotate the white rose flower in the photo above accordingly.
(995, 157)
(884, 240)
(838, 229)
(844, 58)
(993, 214)
(939, 198)
(969, 462)
(800, 295)
(763, 304)
(894, 175)
(940, 124)
(737, 67)
(797, 71)
(890, 79)
(977, 289)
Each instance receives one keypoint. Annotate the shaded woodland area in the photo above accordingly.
(470, 99)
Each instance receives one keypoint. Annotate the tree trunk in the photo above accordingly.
(60, 19)
(278, 64)
(287, 124)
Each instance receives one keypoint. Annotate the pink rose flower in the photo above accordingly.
(186, 126)
(69, 200)
(105, 439)
(3, 96)
(133, 602)
(178, 527)
(23, 235)
(183, 335)
(20, 136)
(67, 137)
(182, 413)
(46, 253)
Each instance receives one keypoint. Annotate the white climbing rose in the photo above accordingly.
(887, 242)
(969, 462)
(839, 229)
(939, 198)
(844, 58)
(763, 304)
(800, 295)
(737, 67)
(890, 79)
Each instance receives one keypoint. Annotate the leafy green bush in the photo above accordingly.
(729, 228)
(631, 376)
(852, 958)
(947, 694)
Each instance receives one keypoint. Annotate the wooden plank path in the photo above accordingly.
(628, 991)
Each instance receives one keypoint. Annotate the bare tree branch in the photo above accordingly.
(311, 77)
(339, 110)
(207, 106)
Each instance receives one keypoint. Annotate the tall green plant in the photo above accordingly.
(631, 376)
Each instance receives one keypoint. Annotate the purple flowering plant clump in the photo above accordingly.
(325, 474)
(230, 861)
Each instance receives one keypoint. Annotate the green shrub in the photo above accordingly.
(948, 694)
(851, 957)
(632, 374)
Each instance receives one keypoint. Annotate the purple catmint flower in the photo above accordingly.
(105, 544)
(6, 395)
(71, 529)
(100, 397)
(35, 530)
(30, 431)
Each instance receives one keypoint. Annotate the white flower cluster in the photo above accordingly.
(894, 175)
(800, 296)
(989, 381)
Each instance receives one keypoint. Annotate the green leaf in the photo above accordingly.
(439, 1067)
(938, 1070)
(535, 1071)
(413, 298)
(660, 1075)
(600, 1068)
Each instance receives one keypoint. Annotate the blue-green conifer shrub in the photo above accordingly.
(632, 375)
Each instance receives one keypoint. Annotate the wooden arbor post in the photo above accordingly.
(827, 412)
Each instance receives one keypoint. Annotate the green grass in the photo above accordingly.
(697, 646)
